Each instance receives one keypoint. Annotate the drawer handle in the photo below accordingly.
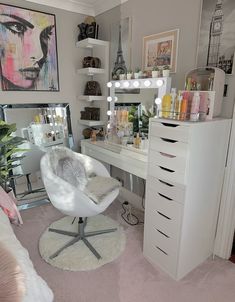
(164, 215)
(172, 141)
(162, 250)
(165, 169)
(170, 125)
(167, 155)
(164, 196)
(163, 233)
(166, 183)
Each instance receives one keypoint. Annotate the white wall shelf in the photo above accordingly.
(91, 98)
(97, 49)
(90, 43)
(90, 71)
(91, 123)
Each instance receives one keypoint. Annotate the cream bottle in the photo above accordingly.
(173, 97)
(195, 107)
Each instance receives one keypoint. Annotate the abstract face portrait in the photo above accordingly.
(28, 54)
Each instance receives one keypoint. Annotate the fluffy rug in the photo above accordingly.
(78, 257)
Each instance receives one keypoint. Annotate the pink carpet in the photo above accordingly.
(128, 279)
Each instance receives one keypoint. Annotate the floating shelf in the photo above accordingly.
(90, 43)
(91, 71)
(91, 123)
(90, 98)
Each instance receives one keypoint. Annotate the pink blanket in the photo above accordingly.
(8, 204)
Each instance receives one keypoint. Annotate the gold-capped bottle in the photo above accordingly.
(166, 106)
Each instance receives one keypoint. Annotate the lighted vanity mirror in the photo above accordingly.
(43, 126)
(140, 106)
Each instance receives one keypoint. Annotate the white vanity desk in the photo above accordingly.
(129, 159)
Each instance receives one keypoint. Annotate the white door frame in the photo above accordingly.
(226, 220)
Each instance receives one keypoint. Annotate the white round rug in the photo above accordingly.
(78, 257)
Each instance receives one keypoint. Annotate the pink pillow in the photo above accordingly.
(7, 203)
(12, 286)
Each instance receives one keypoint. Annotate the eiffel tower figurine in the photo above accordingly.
(120, 64)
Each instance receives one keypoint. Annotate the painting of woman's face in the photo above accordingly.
(28, 58)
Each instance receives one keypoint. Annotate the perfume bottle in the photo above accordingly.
(184, 107)
(195, 107)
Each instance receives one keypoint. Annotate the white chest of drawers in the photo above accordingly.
(184, 179)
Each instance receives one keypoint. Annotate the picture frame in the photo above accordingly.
(28, 57)
(160, 50)
(216, 46)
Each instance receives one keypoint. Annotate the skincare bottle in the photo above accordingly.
(184, 107)
(177, 109)
(195, 107)
(166, 105)
(173, 97)
(137, 140)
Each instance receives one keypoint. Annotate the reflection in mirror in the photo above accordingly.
(43, 126)
(139, 105)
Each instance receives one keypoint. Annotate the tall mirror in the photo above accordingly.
(42, 126)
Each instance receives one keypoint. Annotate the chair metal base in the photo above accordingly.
(81, 235)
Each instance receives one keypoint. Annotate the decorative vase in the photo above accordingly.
(129, 76)
(136, 75)
(166, 73)
(155, 73)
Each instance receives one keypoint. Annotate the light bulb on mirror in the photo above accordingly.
(109, 112)
(115, 99)
(117, 84)
(160, 83)
(109, 99)
(126, 84)
(147, 83)
(109, 84)
(136, 84)
(158, 101)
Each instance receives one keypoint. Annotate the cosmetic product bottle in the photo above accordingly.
(137, 140)
(188, 84)
(173, 97)
(184, 107)
(195, 107)
(178, 102)
(166, 105)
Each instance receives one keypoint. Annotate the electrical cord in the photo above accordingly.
(128, 217)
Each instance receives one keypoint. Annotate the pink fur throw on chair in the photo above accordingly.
(11, 278)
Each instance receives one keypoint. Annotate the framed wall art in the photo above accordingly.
(120, 47)
(160, 50)
(28, 50)
(216, 46)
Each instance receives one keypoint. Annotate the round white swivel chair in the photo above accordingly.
(73, 200)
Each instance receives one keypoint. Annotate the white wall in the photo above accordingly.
(69, 58)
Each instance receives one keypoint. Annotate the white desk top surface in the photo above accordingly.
(127, 158)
